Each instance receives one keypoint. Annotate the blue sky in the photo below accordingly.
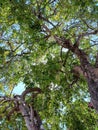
(19, 88)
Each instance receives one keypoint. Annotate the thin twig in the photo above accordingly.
(87, 24)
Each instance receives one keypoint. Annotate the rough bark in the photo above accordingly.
(25, 114)
(32, 119)
(91, 71)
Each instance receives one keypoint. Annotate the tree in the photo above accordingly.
(50, 45)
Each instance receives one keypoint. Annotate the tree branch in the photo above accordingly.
(84, 21)
(30, 90)
(87, 67)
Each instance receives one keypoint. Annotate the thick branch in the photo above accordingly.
(86, 66)
(66, 43)
(30, 90)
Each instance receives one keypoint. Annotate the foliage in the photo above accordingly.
(30, 54)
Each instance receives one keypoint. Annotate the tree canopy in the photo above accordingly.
(41, 42)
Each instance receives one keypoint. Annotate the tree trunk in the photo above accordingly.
(25, 114)
(93, 89)
(32, 120)
(91, 71)
(31, 117)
